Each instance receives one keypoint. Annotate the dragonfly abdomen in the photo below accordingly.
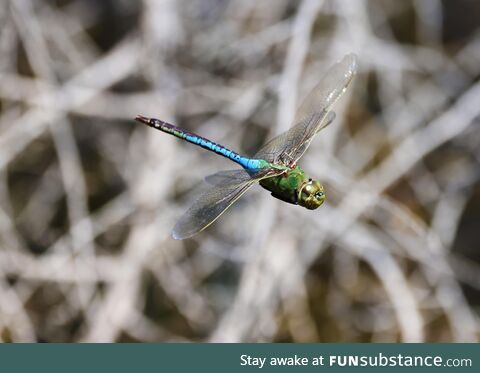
(248, 164)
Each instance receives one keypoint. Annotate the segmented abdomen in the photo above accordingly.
(247, 163)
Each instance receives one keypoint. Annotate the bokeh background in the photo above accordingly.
(88, 197)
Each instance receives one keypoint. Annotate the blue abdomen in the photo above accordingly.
(248, 164)
(251, 165)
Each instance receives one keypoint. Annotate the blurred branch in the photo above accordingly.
(88, 197)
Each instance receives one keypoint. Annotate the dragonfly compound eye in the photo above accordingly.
(311, 195)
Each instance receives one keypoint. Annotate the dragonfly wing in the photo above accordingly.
(288, 145)
(313, 115)
(227, 177)
(214, 202)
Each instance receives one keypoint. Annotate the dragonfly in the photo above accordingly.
(274, 166)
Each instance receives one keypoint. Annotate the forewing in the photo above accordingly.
(227, 177)
(289, 145)
(213, 202)
(313, 115)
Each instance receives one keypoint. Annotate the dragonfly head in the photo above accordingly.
(311, 194)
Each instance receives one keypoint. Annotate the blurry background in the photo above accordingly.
(88, 197)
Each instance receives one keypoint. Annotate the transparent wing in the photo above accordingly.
(216, 200)
(290, 146)
(313, 115)
(227, 177)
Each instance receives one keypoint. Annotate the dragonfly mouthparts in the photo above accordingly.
(141, 118)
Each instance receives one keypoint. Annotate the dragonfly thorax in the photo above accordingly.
(295, 187)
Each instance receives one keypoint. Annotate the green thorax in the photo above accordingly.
(285, 186)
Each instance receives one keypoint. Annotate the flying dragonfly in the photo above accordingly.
(274, 166)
